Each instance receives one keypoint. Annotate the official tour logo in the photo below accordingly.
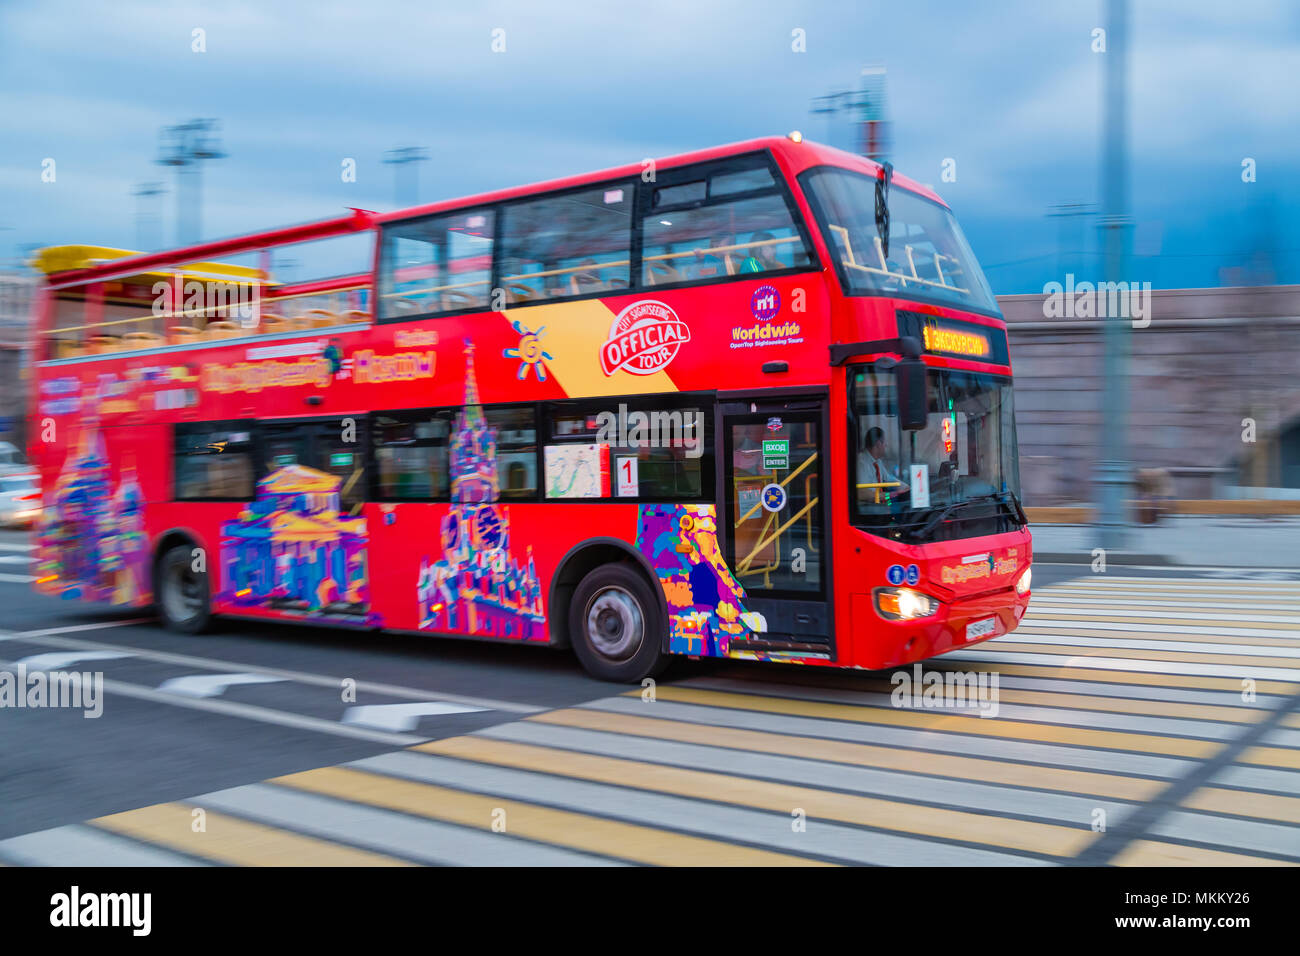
(644, 338)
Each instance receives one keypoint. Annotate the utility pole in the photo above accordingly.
(406, 175)
(866, 107)
(146, 238)
(1113, 475)
(1067, 214)
(184, 147)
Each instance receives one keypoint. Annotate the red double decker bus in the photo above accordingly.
(749, 402)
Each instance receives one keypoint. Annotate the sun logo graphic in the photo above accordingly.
(529, 352)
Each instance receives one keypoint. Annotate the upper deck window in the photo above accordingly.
(575, 243)
(927, 258)
(725, 220)
(440, 263)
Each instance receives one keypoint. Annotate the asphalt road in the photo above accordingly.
(1121, 735)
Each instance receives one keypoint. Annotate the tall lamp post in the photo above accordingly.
(184, 147)
(1113, 474)
(406, 175)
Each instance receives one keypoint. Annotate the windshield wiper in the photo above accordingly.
(1012, 503)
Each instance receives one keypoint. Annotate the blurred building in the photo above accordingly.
(1210, 360)
(17, 289)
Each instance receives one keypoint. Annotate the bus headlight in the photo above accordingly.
(1022, 586)
(904, 604)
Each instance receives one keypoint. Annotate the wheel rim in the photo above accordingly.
(182, 592)
(615, 624)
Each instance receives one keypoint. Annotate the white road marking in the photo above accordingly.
(1127, 664)
(212, 685)
(72, 629)
(60, 660)
(49, 639)
(402, 716)
(17, 578)
(264, 715)
(15, 559)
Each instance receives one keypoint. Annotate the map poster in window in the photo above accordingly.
(577, 471)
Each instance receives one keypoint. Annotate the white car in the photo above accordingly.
(20, 499)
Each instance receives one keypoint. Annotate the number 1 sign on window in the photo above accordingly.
(628, 486)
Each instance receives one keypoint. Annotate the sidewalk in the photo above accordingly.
(1191, 540)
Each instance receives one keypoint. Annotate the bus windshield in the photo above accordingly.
(969, 482)
(928, 257)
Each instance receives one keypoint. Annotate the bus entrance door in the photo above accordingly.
(772, 514)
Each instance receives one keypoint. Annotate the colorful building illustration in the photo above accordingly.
(706, 604)
(90, 538)
(292, 550)
(478, 586)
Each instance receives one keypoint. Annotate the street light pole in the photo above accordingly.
(406, 176)
(184, 147)
(1114, 468)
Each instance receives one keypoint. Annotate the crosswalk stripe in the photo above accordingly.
(1272, 757)
(1022, 835)
(235, 841)
(1201, 649)
(576, 830)
(421, 838)
(877, 693)
(1168, 638)
(950, 723)
(1157, 853)
(1089, 671)
(863, 755)
(1266, 806)
(992, 653)
(1268, 622)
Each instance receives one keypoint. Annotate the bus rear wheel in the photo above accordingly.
(616, 625)
(184, 601)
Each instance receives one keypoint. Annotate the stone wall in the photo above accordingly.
(1209, 359)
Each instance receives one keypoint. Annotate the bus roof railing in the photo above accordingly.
(356, 221)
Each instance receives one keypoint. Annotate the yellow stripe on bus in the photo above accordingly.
(1115, 786)
(780, 798)
(575, 331)
(578, 831)
(232, 840)
(952, 723)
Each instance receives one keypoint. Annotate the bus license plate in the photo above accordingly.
(981, 628)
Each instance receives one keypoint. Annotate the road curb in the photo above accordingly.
(1120, 558)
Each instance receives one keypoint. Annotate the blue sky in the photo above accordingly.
(1010, 91)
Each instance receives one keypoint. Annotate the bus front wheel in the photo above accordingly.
(184, 601)
(616, 625)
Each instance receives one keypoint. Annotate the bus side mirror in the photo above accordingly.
(909, 381)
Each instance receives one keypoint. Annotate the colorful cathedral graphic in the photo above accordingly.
(292, 550)
(90, 538)
(479, 587)
(706, 604)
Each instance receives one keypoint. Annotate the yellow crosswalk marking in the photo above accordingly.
(1155, 853)
(232, 840)
(1125, 653)
(1272, 757)
(1266, 806)
(862, 755)
(578, 831)
(988, 829)
(952, 723)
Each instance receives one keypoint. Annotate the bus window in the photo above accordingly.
(577, 243)
(411, 456)
(732, 237)
(214, 461)
(516, 431)
(436, 264)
